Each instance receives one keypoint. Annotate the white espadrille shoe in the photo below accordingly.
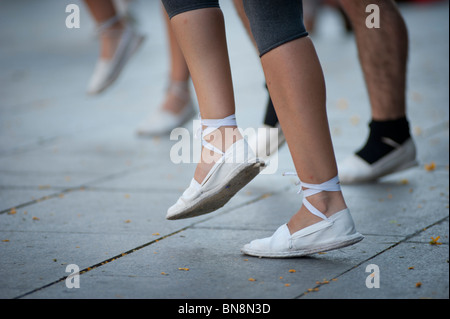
(334, 232)
(106, 71)
(356, 170)
(236, 168)
(161, 121)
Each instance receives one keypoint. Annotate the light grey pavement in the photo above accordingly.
(78, 187)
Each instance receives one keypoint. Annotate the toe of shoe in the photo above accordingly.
(354, 169)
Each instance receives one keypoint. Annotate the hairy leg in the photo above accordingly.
(383, 56)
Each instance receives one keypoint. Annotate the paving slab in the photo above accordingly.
(206, 263)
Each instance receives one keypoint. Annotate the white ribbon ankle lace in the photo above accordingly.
(211, 126)
(180, 89)
(103, 26)
(311, 189)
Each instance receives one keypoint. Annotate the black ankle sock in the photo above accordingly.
(271, 118)
(382, 134)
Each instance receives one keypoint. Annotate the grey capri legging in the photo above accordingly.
(273, 22)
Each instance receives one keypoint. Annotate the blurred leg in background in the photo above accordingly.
(383, 54)
(118, 42)
(178, 105)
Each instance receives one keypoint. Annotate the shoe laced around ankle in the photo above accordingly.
(211, 126)
(334, 232)
(107, 70)
(180, 89)
(224, 179)
(331, 185)
(108, 23)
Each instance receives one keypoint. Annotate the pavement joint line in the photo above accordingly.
(131, 190)
(32, 187)
(193, 225)
(130, 251)
(85, 270)
(90, 188)
(104, 262)
(76, 188)
(405, 239)
(32, 146)
(38, 200)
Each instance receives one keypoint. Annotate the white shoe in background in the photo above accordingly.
(356, 170)
(106, 71)
(161, 121)
(267, 141)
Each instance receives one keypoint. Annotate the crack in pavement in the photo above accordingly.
(406, 238)
(130, 251)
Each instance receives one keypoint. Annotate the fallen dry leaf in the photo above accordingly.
(313, 289)
(404, 181)
(434, 241)
(430, 167)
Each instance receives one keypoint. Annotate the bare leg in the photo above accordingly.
(102, 11)
(383, 55)
(201, 36)
(270, 117)
(303, 118)
(299, 99)
(178, 68)
(179, 74)
(239, 6)
(177, 106)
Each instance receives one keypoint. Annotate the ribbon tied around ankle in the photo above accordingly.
(331, 185)
(211, 126)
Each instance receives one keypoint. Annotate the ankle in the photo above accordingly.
(328, 203)
(177, 96)
(384, 136)
(224, 137)
(109, 39)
